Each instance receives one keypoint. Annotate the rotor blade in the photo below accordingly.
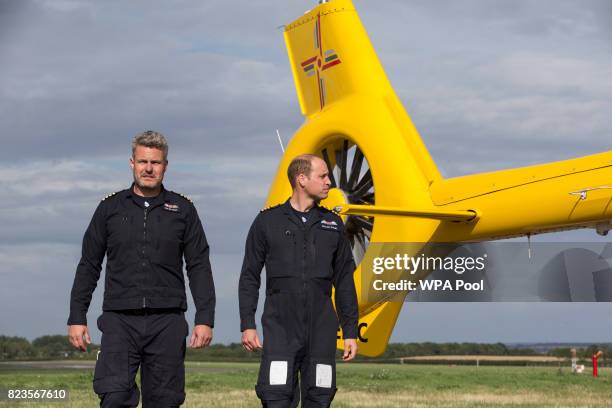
(363, 186)
(341, 162)
(329, 168)
(361, 239)
(359, 249)
(367, 199)
(350, 227)
(363, 223)
(355, 167)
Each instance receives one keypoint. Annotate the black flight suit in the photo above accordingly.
(143, 319)
(303, 261)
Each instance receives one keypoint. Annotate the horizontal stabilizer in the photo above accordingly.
(374, 210)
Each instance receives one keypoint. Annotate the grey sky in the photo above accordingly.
(489, 85)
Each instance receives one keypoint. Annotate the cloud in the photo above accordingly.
(489, 85)
(91, 78)
(553, 74)
(36, 285)
(52, 201)
(484, 92)
(59, 177)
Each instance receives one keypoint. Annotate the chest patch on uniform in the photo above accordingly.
(329, 224)
(171, 207)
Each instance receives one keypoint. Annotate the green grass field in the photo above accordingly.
(359, 385)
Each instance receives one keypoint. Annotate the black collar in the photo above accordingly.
(160, 199)
(314, 214)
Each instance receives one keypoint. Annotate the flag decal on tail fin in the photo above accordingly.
(309, 65)
(321, 62)
(331, 59)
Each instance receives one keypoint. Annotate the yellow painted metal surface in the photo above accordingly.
(433, 213)
(344, 94)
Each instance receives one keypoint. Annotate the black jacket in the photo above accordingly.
(302, 257)
(144, 250)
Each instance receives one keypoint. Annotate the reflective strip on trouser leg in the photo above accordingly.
(318, 382)
(277, 381)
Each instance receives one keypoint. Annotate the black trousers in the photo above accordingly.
(151, 339)
(299, 349)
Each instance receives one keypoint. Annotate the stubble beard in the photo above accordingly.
(147, 188)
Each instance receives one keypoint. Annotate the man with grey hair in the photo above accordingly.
(144, 231)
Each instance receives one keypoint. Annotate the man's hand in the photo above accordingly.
(250, 340)
(78, 336)
(350, 349)
(201, 336)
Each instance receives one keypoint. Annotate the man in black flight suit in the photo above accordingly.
(305, 252)
(144, 231)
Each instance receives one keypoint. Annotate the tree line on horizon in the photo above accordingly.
(57, 347)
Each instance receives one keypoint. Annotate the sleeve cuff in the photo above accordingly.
(349, 331)
(77, 317)
(247, 323)
(205, 317)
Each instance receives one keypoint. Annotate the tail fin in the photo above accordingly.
(342, 86)
(331, 56)
(333, 59)
(375, 327)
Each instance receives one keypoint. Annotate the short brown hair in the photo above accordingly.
(151, 138)
(301, 164)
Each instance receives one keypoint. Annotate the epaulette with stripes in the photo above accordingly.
(110, 195)
(333, 210)
(269, 208)
(185, 197)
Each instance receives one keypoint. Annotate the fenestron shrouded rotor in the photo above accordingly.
(352, 183)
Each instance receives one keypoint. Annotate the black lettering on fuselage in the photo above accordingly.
(360, 336)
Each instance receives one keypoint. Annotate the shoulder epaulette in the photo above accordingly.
(333, 210)
(110, 195)
(270, 207)
(185, 197)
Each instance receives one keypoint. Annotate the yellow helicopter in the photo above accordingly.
(386, 184)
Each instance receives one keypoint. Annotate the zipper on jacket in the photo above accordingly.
(144, 244)
(304, 259)
(305, 290)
